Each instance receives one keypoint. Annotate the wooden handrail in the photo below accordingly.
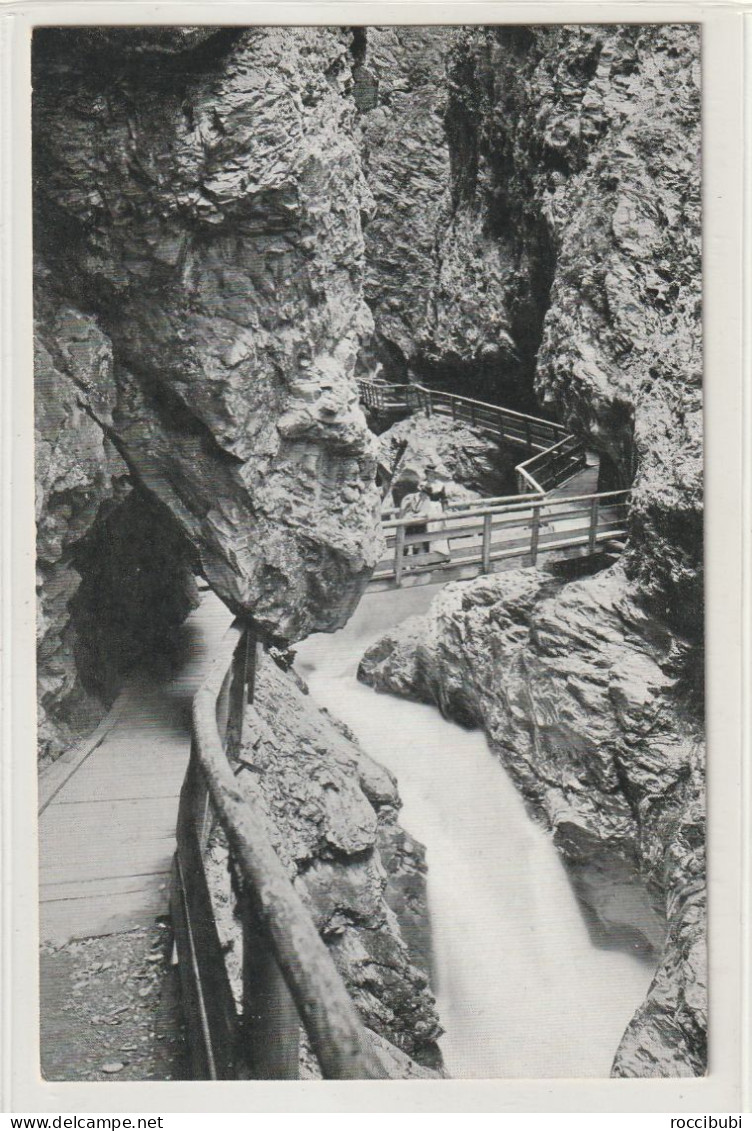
(373, 392)
(546, 468)
(463, 505)
(522, 503)
(440, 394)
(273, 912)
(535, 487)
(485, 535)
(533, 469)
(539, 455)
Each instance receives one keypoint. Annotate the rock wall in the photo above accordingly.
(78, 473)
(198, 195)
(208, 210)
(587, 144)
(567, 259)
(200, 308)
(574, 233)
(468, 462)
(437, 282)
(406, 164)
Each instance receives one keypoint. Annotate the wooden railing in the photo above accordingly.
(553, 454)
(547, 470)
(486, 538)
(532, 433)
(289, 978)
(384, 398)
(458, 507)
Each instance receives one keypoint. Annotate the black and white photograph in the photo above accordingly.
(369, 449)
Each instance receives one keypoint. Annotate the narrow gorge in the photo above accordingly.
(236, 226)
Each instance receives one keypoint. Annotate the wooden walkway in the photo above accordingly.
(108, 808)
(557, 512)
(583, 482)
(107, 820)
(489, 536)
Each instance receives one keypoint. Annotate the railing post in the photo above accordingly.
(487, 520)
(472, 414)
(593, 524)
(399, 550)
(535, 534)
(202, 811)
(270, 1028)
(241, 691)
(223, 706)
(528, 439)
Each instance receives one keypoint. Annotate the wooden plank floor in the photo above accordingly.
(583, 482)
(107, 836)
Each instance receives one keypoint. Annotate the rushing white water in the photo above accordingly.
(521, 989)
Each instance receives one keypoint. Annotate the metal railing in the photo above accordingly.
(289, 978)
(483, 539)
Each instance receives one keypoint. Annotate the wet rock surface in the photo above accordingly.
(577, 690)
(78, 472)
(406, 165)
(331, 813)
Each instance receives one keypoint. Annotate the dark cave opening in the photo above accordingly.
(137, 588)
(610, 475)
(528, 308)
(495, 379)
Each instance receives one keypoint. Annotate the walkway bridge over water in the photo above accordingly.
(557, 513)
(108, 853)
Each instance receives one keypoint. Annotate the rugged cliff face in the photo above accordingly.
(536, 235)
(520, 209)
(199, 311)
(406, 164)
(575, 212)
(198, 201)
(586, 158)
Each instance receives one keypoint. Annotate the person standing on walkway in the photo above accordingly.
(415, 505)
(435, 490)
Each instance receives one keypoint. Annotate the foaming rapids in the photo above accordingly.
(522, 990)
